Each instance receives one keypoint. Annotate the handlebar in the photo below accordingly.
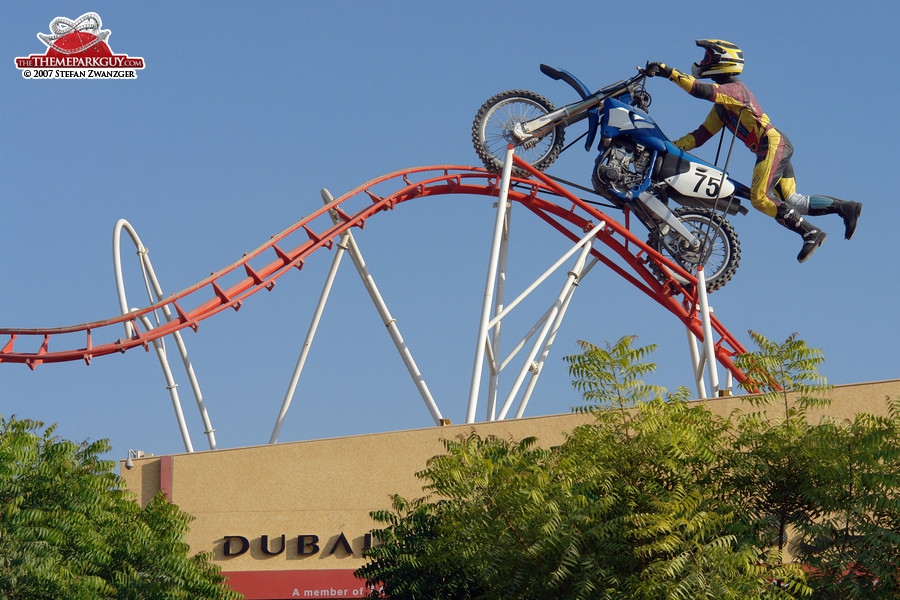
(649, 70)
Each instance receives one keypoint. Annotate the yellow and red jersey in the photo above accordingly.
(735, 107)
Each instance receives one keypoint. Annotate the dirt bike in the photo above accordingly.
(637, 169)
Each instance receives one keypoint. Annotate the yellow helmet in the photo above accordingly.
(721, 58)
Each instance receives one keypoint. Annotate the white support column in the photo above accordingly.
(348, 244)
(494, 379)
(310, 336)
(697, 364)
(160, 347)
(490, 284)
(391, 323)
(709, 346)
(155, 294)
(550, 323)
(538, 367)
(546, 327)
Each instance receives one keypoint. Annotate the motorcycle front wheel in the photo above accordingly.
(493, 125)
(719, 251)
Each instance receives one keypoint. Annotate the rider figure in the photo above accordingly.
(773, 190)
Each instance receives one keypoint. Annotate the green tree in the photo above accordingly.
(772, 462)
(408, 561)
(659, 498)
(626, 508)
(612, 377)
(832, 485)
(852, 543)
(69, 529)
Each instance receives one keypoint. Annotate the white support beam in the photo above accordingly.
(348, 244)
(155, 294)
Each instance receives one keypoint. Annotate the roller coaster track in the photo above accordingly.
(615, 247)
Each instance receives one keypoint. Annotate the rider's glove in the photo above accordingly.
(686, 142)
(658, 68)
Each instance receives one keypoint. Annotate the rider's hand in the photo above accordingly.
(686, 142)
(658, 68)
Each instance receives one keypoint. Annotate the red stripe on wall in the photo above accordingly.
(316, 583)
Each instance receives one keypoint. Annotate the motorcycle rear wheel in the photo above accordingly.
(492, 130)
(719, 243)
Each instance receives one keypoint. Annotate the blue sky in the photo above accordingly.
(244, 111)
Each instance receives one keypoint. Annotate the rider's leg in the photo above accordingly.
(771, 169)
(787, 189)
(815, 205)
(812, 236)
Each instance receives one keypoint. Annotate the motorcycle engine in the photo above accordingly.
(620, 168)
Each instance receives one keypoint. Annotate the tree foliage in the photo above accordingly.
(612, 377)
(659, 497)
(825, 490)
(68, 529)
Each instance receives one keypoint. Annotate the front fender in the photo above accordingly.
(593, 115)
(593, 126)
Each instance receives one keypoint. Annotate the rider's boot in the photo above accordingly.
(848, 211)
(812, 236)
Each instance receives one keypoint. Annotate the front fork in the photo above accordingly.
(566, 115)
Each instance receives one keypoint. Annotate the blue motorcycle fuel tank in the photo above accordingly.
(619, 118)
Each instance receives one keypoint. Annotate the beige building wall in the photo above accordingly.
(324, 488)
(318, 494)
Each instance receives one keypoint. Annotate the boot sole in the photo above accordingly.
(802, 258)
(858, 212)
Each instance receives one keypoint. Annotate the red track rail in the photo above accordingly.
(621, 251)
